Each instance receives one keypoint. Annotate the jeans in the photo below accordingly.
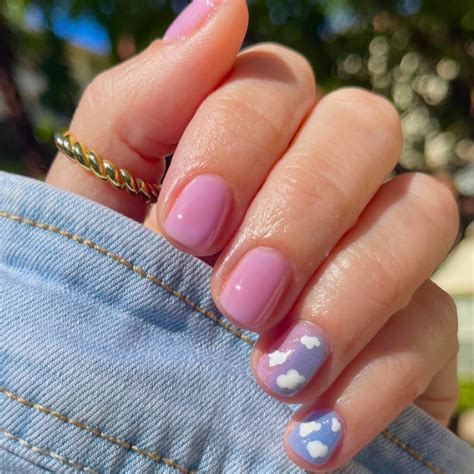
(113, 357)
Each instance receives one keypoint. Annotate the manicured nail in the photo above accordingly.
(191, 19)
(199, 212)
(294, 359)
(255, 286)
(317, 436)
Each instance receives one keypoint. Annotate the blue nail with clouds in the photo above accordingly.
(316, 437)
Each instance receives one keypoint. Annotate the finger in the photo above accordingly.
(392, 371)
(400, 239)
(234, 139)
(312, 196)
(135, 113)
(441, 396)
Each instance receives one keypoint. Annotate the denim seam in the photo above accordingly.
(135, 268)
(46, 453)
(96, 432)
(178, 294)
(408, 449)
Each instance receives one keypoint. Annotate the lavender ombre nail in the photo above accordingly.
(289, 365)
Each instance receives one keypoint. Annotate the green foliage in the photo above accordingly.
(466, 395)
(418, 53)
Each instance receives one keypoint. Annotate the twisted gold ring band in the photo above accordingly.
(104, 169)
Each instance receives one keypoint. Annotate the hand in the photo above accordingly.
(316, 251)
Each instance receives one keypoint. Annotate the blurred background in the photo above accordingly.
(419, 53)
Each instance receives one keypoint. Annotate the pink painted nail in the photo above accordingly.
(191, 19)
(199, 212)
(255, 287)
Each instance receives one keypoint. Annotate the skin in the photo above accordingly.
(309, 181)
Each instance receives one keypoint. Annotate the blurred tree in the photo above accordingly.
(30, 153)
(418, 53)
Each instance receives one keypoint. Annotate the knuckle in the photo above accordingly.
(300, 183)
(231, 109)
(297, 62)
(437, 316)
(446, 315)
(383, 284)
(302, 66)
(97, 92)
(403, 377)
(436, 202)
(372, 111)
(98, 85)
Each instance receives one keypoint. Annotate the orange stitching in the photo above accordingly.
(209, 314)
(45, 452)
(394, 439)
(137, 269)
(79, 424)
(156, 457)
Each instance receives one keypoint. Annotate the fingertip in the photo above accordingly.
(312, 442)
(289, 362)
(194, 217)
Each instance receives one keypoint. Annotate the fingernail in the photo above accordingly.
(191, 19)
(199, 212)
(317, 436)
(255, 286)
(294, 359)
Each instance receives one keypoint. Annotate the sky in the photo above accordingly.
(83, 31)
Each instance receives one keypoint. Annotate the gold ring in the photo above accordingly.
(104, 169)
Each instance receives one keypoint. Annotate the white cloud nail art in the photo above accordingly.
(278, 358)
(290, 380)
(335, 425)
(316, 449)
(310, 341)
(308, 428)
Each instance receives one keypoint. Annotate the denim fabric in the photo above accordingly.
(113, 357)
